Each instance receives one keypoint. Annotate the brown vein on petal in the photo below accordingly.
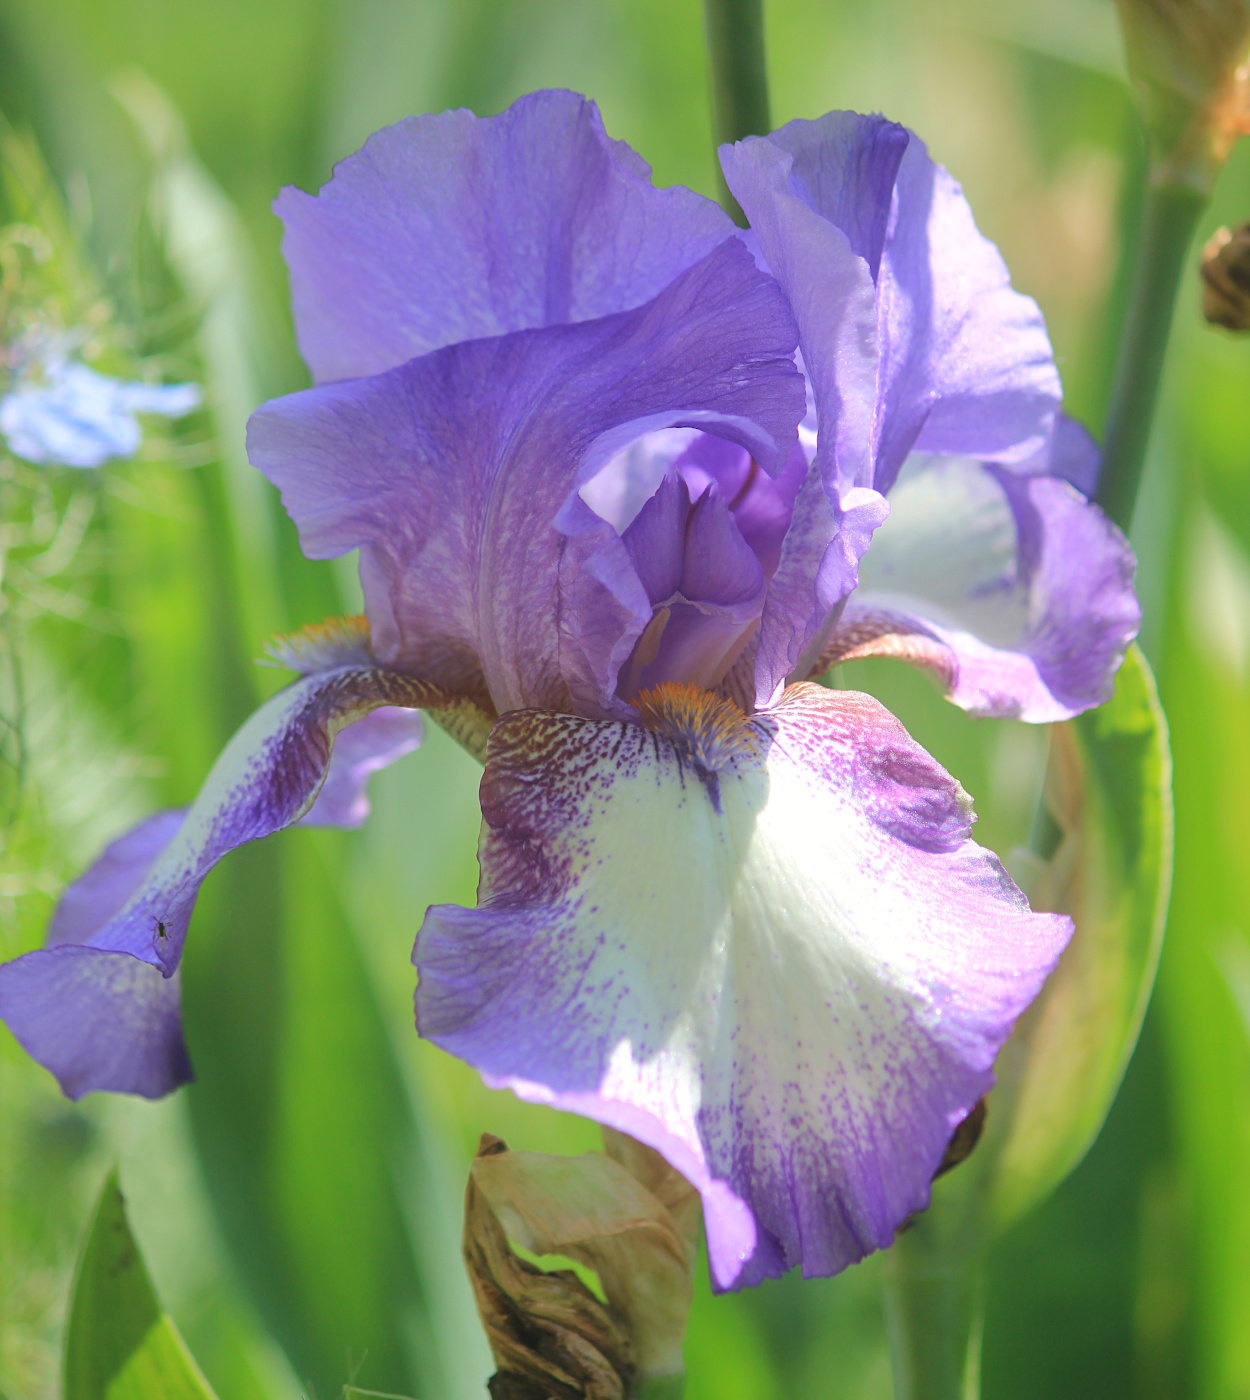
(885, 634)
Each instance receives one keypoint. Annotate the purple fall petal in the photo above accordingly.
(99, 1007)
(1010, 588)
(360, 750)
(452, 227)
(449, 473)
(106, 887)
(765, 947)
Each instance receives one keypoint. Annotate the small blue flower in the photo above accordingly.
(75, 417)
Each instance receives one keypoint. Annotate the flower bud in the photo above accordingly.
(624, 1224)
(1188, 60)
(1226, 279)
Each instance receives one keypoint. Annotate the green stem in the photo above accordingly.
(735, 43)
(1169, 218)
(934, 1311)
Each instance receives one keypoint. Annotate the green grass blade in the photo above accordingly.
(119, 1344)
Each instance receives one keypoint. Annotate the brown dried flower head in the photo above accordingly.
(629, 1218)
(1226, 279)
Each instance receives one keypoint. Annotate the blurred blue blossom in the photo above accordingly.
(76, 417)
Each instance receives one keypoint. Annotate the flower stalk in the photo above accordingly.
(934, 1309)
(1169, 219)
(735, 44)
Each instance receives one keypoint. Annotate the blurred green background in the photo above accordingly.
(299, 1205)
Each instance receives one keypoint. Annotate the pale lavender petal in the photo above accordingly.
(766, 948)
(1072, 455)
(604, 610)
(100, 1007)
(1010, 588)
(454, 227)
(966, 362)
(909, 329)
(829, 284)
(450, 472)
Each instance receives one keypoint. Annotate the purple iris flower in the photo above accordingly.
(612, 466)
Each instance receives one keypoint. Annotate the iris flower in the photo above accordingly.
(611, 465)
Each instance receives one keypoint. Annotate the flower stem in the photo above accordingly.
(1169, 218)
(735, 43)
(934, 1310)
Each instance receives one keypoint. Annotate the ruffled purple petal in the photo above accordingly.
(966, 362)
(850, 210)
(454, 227)
(360, 750)
(829, 284)
(766, 948)
(1010, 588)
(99, 1007)
(92, 900)
(449, 473)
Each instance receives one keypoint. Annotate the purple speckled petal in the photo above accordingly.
(360, 750)
(765, 947)
(450, 472)
(99, 1006)
(928, 329)
(1010, 588)
(454, 227)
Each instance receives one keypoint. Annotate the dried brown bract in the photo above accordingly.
(1226, 279)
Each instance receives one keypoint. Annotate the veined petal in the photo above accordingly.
(99, 1006)
(449, 472)
(902, 304)
(828, 280)
(966, 362)
(1010, 588)
(455, 227)
(765, 947)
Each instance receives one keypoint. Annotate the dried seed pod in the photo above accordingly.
(1226, 279)
(628, 1218)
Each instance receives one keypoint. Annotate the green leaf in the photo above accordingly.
(119, 1344)
(1108, 792)
(1109, 789)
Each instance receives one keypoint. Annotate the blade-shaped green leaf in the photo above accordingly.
(119, 1344)
(1109, 789)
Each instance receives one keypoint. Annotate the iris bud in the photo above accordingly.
(1188, 61)
(1226, 279)
(581, 1267)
